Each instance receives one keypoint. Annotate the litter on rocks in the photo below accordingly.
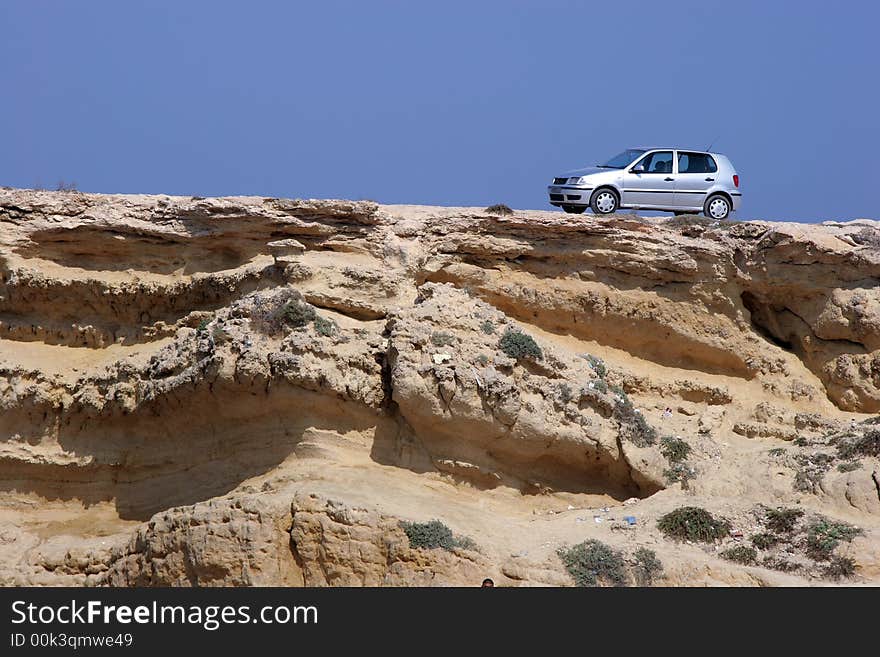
(630, 520)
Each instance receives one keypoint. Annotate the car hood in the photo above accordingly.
(586, 171)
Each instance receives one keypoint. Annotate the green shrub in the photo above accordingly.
(519, 345)
(297, 313)
(824, 535)
(465, 542)
(634, 427)
(498, 208)
(741, 554)
(674, 449)
(764, 540)
(487, 327)
(592, 562)
(780, 564)
(800, 441)
(839, 568)
(647, 567)
(867, 444)
(325, 327)
(601, 386)
(693, 524)
(620, 392)
(679, 473)
(849, 466)
(483, 359)
(782, 520)
(441, 339)
(434, 534)
(597, 365)
(203, 326)
(777, 451)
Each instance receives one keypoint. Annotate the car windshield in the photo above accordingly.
(620, 161)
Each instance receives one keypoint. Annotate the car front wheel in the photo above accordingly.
(717, 207)
(603, 201)
(573, 209)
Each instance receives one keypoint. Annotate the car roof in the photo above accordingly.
(671, 148)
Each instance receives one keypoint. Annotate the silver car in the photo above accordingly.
(668, 179)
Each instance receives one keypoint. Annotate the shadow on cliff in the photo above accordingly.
(184, 449)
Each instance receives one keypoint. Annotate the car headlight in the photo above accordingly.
(578, 181)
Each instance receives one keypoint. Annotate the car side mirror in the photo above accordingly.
(639, 168)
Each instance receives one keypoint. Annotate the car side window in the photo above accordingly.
(696, 163)
(658, 162)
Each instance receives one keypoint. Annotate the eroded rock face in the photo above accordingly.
(247, 391)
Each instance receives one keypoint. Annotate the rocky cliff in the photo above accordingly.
(249, 391)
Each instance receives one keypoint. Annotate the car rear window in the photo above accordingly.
(696, 163)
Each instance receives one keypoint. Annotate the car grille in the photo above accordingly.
(557, 197)
(573, 197)
(560, 181)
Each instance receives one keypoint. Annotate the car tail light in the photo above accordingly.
(736, 181)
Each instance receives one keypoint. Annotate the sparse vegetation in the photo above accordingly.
(63, 186)
(839, 568)
(442, 339)
(679, 473)
(483, 359)
(811, 471)
(325, 327)
(592, 562)
(601, 386)
(597, 365)
(434, 534)
(868, 444)
(203, 325)
(777, 451)
(693, 524)
(741, 554)
(848, 466)
(519, 345)
(647, 567)
(498, 208)
(699, 222)
(633, 425)
(487, 327)
(565, 393)
(765, 540)
(298, 313)
(782, 520)
(674, 449)
(824, 535)
(780, 564)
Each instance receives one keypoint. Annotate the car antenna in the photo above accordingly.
(712, 143)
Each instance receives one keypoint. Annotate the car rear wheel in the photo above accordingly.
(574, 209)
(603, 201)
(717, 207)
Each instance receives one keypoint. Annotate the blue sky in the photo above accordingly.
(449, 103)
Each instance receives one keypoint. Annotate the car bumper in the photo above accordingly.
(569, 195)
(736, 197)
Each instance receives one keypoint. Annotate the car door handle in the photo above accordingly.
(668, 179)
(710, 180)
